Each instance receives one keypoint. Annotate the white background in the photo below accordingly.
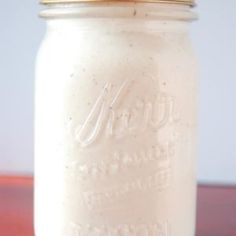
(214, 37)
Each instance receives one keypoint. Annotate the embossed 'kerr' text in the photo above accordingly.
(108, 115)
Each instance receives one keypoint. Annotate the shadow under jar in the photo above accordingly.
(115, 130)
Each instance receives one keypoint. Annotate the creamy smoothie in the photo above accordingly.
(115, 121)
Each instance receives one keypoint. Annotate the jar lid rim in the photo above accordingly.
(183, 2)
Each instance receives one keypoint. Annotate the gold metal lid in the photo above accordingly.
(183, 2)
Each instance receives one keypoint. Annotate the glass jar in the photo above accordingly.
(116, 90)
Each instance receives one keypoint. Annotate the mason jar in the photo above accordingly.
(115, 128)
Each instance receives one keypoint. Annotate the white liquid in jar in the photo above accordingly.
(115, 129)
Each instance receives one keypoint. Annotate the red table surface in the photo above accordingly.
(216, 209)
